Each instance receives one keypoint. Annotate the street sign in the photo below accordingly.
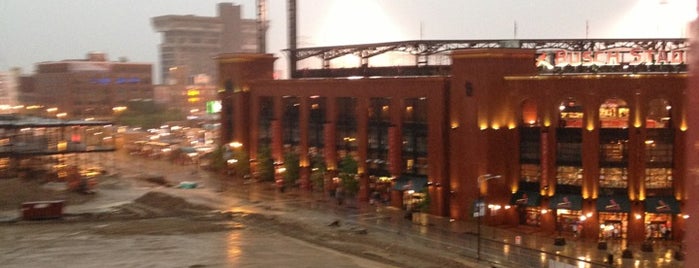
(478, 209)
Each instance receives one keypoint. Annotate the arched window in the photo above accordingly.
(571, 114)
(614, 113)
(530, 116)
(659, 115)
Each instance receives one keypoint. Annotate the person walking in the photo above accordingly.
(340, 195)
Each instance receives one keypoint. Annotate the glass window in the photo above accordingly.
(613, 146)
(379, 122)
(659, 114)
(659, 146)
(530, 173)
(266, 113)
(613, 178)
(658, 178)
(529, 145)
(529, 113)
(614, 113)
(569, 175)
(290, 122)
(613, 151)
(346, 126)
(316, 122)
(571, 114)
(569, 146)
(415, 135)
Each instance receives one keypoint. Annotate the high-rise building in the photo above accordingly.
(9, 89)
(90, 87)
(191, 42)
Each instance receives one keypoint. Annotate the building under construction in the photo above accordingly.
(54, 149)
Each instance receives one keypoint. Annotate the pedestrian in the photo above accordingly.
(375, 197)
(663, 231)
(340, 195)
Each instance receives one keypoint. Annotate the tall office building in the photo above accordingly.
(190, 42)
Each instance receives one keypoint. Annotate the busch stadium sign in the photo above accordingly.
(612, 56)
(634, 56)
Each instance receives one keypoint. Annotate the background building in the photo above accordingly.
(189, 45)
(189, 42)
(89, 87)
(9, 90)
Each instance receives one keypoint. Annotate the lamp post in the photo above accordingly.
(232, 163)
(481, 207)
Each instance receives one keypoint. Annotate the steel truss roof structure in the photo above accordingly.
(422, 50)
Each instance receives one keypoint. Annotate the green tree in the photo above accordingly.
(265, 164)
(242, 164)
(218, 162)
(424, 205)
(291, 164)
(318, 169)
(348, 173)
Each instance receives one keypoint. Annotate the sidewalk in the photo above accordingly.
(533, 247)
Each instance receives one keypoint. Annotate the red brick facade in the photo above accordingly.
(475, 120)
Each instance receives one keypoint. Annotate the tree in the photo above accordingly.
(348, 169)
(265, 164)
(217, 159)
(242, 164)
(424, 204)
(291, 166)
(318, 169)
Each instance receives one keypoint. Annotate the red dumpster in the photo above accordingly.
(41, 210)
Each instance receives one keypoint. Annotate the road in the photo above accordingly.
(445, 243)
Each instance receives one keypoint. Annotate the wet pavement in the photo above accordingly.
(497, 246)
(494, 247)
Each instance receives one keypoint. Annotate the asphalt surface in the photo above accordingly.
(494, 247)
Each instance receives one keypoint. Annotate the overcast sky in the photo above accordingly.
(33, 31)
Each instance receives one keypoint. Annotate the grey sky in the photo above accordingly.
(33, 31)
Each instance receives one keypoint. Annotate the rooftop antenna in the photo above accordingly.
(587, 29)
(261, 26)
(515, 30)
(291, 13)
(420, 30)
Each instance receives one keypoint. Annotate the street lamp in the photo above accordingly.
(481, 207)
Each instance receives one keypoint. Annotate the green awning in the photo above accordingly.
(613, 203)
(665, 204)
(527, 198)
(566, 201)
(405, 183)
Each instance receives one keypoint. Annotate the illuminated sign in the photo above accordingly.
(613, 57)
(192, 92)
(213, 107)
(119, 81)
